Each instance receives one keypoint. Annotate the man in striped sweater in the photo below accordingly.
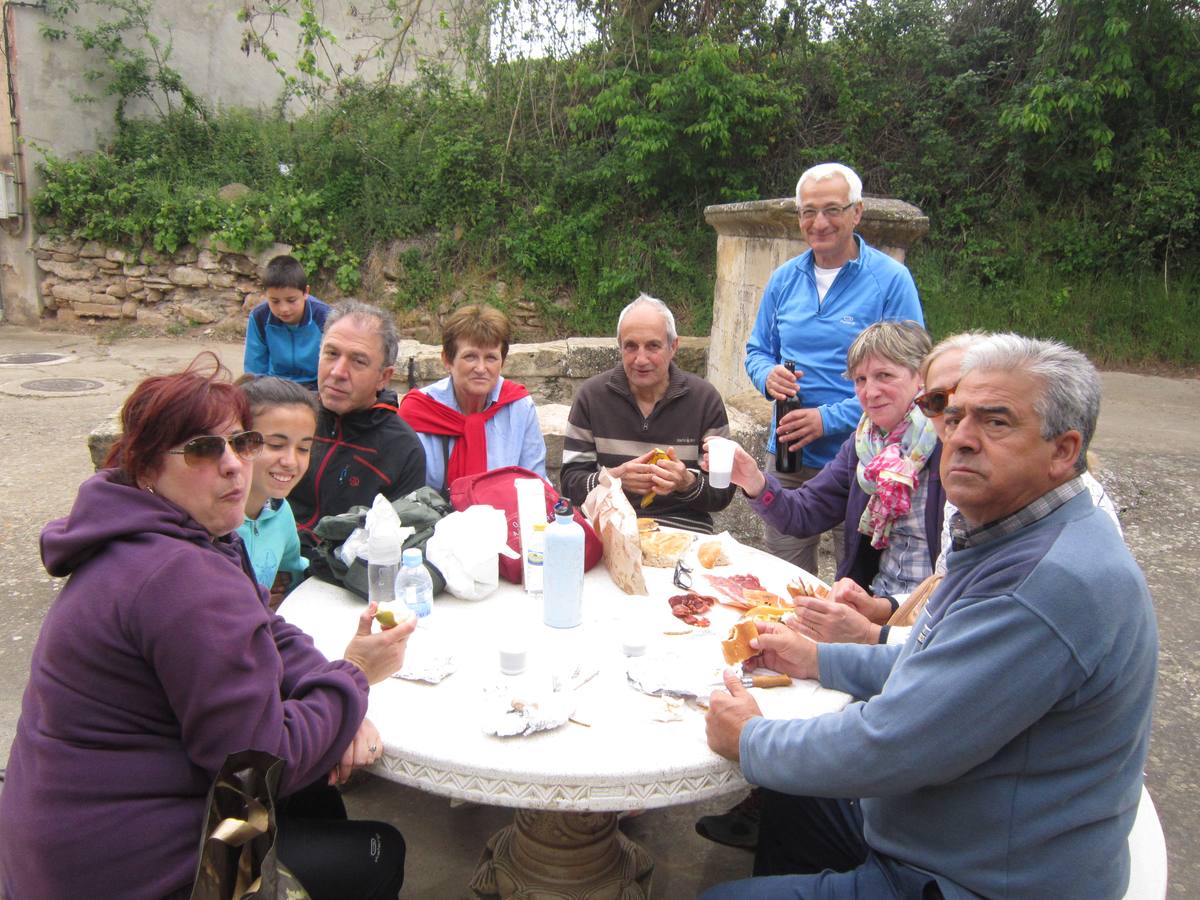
(622, 416)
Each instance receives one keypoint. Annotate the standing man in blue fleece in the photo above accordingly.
(999, 751)
(814, 306)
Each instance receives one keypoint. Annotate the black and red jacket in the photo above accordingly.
(354, 457)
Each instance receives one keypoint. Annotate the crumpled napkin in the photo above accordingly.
(429, 660)
(430, 668)
(672, 675)
(507, 714)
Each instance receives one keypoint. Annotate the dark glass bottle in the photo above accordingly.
(786, 461)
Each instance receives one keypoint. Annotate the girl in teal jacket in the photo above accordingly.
(286, 415)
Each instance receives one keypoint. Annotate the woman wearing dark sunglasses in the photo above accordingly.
(160, 657)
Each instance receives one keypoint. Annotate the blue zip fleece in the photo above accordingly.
(286, 351)
(272, 544)
(1001, 747)
(791, 324)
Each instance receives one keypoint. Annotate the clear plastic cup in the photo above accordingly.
(720, 461)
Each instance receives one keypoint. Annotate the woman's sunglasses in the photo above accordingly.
(211, 447)
(933, 403)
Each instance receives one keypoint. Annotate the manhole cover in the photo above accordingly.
(62, 385)
(31, 359)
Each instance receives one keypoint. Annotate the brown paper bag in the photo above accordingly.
(238, 845)
(611, 515)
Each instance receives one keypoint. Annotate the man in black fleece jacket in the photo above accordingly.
(362, 446)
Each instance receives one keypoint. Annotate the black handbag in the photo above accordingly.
(238, 844)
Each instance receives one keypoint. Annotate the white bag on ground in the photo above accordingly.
(464, 547)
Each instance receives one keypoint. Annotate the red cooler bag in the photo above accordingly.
(496, 488)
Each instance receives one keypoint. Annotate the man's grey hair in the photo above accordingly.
(1069, 399)
(367, 314)
(654, 303)
(964, 340)
(829, 170)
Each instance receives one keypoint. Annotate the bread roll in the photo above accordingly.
(712, 553)
(736, 647)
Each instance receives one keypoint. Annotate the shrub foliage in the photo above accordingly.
(1053, 145)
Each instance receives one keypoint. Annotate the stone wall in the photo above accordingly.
(214, 285)
(206, 285)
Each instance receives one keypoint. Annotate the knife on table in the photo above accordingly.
(760, 681)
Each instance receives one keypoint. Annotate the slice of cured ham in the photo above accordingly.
(734, 588)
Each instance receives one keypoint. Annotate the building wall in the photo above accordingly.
(45, 76)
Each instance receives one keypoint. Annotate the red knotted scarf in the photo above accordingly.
(423, 413)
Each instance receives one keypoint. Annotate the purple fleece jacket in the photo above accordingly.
(832, 496)
(158, 658)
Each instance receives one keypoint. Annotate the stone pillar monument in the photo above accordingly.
(755, 238)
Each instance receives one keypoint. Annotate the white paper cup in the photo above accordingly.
(720, 461)
(512, 660)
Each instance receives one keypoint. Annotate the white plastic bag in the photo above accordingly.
(381, 517)
(464, 547)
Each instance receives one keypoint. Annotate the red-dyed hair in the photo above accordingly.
(166, 410)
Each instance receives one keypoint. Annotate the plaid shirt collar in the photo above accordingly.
(963, 535)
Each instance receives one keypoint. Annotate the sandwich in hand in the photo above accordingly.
(736, 647)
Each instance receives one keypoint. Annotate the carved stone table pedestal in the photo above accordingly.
(562, 856)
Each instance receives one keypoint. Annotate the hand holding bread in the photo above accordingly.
(783, 649)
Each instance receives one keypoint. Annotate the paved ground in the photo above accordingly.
(1157, 492)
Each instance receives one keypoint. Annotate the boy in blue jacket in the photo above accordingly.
(283, 335)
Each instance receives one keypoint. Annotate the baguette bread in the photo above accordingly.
(662, 549)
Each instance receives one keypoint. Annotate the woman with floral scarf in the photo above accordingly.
(883, 483)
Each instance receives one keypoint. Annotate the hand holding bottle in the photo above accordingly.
(782, 384)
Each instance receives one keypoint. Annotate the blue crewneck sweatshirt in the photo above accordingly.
(1001, 747)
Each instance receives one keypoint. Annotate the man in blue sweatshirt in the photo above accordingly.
(812, 309)
(999, 751)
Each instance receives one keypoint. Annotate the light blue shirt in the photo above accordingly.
(514, 437)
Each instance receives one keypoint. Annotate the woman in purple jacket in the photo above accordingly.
(160, 657)
(884, 484)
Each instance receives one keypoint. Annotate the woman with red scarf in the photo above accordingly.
(474, 420)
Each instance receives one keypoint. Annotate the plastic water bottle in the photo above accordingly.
(562, 577)
(413, 585)
(384, 547)
(535, 558)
